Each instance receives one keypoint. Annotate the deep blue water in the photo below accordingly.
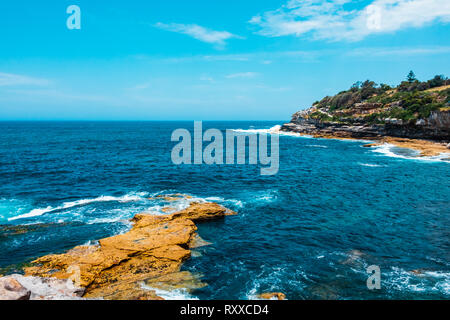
(310, 231)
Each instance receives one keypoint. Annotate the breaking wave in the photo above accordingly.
(143, 202)
(77, 203)
(371, 165)
(275, 279)
(393, 151)
(273, 130)
(176, 294)
(401, 280)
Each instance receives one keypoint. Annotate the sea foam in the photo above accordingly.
(82, 202)
(393, 151)
(401, 280)
(273, 130)
(176, 294)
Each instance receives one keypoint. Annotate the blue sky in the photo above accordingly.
(208, 60)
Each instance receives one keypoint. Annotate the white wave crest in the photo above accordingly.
(176, 294)
(434, 281)
(370, 165)
(274, 130)
(393, 151)
(82, 202)
(316, 146)
(237, 203)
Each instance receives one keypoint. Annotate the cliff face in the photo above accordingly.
(435, 127)
(439, 120)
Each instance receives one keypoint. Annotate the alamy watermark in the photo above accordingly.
(215, 152)
(374, 280)
(74, 20)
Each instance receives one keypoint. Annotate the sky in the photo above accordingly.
(208, 60)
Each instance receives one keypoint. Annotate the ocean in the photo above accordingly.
(310, 231)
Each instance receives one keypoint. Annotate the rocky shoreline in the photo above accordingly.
(436, 127)
(130, 266)
(425, 139)
(413, 115)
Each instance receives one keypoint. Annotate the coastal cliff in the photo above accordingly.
(435, 127)
(414, 110)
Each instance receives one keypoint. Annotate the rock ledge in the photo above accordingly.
(119, 267)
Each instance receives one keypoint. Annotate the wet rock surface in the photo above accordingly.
(11, 289)
(272, 296)
(19, 287)
(119, 267)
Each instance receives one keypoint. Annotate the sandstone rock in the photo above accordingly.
(272, 296)
(366, 106)
(11, 289)
(426, 147)
(171, 197)
(381, 133)
(203, 211)
(168, 198)
(436, 127)
(19, 287)
(115, 269)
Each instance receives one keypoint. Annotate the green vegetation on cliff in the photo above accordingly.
(369, 102)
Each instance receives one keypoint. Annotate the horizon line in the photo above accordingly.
(115, 120)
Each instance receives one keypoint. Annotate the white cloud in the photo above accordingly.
(9, 79)
(218, 38)
(398, 51)
(336, 20)
(242, 75)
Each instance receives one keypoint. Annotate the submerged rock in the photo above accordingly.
(13, 230)
(177, 280)
(272, 296)
(115, 269)
(325, 291)
(419, 272)
(198, 242)
(353, 258)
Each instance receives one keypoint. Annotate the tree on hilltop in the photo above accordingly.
(411, 77)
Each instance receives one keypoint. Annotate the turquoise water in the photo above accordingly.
(310, 231)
